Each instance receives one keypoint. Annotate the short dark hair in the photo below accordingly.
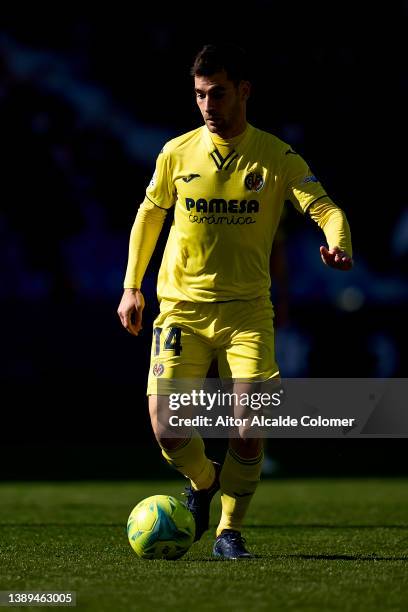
(217, 57)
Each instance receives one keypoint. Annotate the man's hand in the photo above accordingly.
(336, 258)
(130, 310)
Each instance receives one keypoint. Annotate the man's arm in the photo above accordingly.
(143, 239)
(332, 220)
(307, 194)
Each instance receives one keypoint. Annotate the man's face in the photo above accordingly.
(222, 103)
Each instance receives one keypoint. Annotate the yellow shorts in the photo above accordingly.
(187, 336)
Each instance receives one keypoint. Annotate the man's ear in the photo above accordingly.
(245, 89)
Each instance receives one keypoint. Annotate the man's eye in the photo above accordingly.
(200, 96)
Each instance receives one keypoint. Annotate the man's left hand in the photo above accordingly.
(336, 258)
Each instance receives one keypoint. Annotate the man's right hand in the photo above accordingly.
(130, 310)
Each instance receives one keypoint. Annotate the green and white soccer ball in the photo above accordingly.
(160, 527)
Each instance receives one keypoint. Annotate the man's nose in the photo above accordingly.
(208, 104)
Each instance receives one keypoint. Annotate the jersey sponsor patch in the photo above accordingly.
(219, 205)
(254, 181)
(310, 179)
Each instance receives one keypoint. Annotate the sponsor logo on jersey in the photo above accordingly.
(254, 181)
(190, 177)
(219, 205)
(310, 179)
(158, 369)
(221, 219)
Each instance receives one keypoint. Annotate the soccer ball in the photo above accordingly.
(160, 527)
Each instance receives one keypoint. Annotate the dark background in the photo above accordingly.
(87, 99)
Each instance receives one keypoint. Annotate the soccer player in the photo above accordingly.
(228, 182)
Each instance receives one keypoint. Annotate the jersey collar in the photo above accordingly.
(214, 143)
(214, 139)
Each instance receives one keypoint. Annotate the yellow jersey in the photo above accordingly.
(228, 197)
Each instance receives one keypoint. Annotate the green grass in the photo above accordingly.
(321, 545)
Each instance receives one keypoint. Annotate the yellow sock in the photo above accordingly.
(239, 479)
(190, 459)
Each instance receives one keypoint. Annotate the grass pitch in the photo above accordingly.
(321, 545)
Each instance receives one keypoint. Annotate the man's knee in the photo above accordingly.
(247, 448)
(167, 437)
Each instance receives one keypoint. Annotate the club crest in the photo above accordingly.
(254, 181)
(158, 369)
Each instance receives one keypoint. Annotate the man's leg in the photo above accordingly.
(239, 479)
(186, 453)
(249, 356)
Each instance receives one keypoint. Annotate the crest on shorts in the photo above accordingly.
(254, 181)
(158, 369)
